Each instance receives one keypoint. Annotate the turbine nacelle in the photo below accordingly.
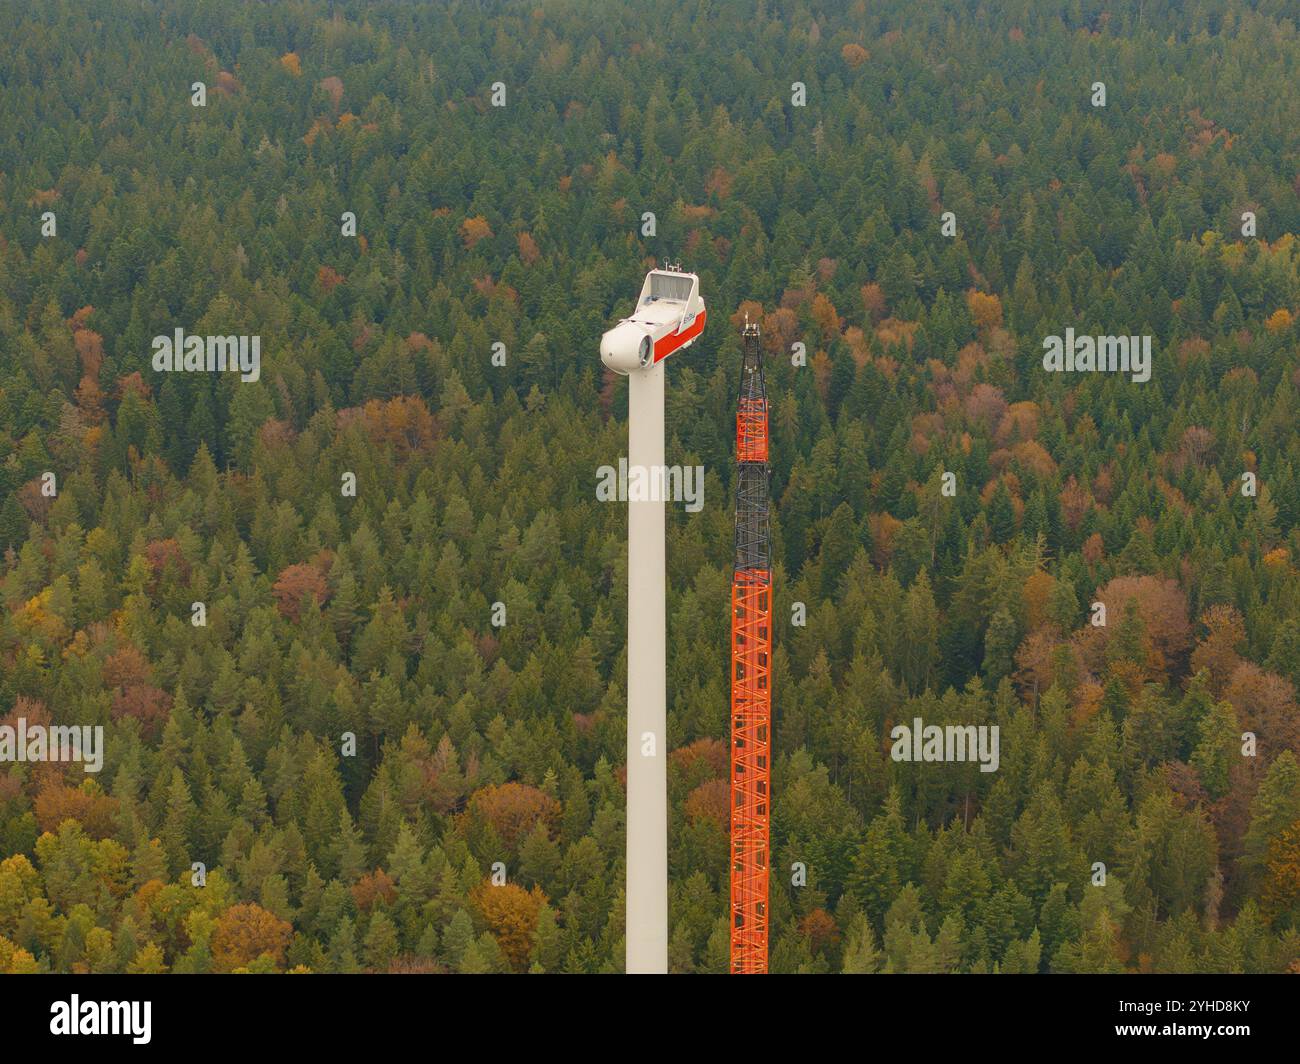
(669, 315)
(627, 346)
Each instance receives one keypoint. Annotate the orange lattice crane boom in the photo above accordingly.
(751, 671)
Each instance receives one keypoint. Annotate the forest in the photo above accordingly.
(391, 194)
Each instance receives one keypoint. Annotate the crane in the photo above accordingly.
(669, 317)
(751, 670)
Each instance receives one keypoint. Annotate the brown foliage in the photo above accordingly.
(513, 809)
(1161, 604)
(1265, 703)
(334, 86)
(883, 529)
(529, 252)
(372, 887)
(125, 667)
(854, 54)
(329, 279)
(709, 752)
(711, 800)
(820, 929)
(1280, 891)
(148, 704)
(292, 587)
(163, 556)
(873, 301)
(1217, 651)
(984, 407)
(90, 807)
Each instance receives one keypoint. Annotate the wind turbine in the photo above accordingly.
(669, 315)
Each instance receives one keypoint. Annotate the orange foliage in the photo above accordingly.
(90, 348)
(1279, 321)
(1019, 423)
(329, 278)
(826, 317)
(873, 301)
(854, 54)
(1029, 456)
(893, 331)
(372, 887)
(125, 667)
(985, 309)
(246, 931)
(883, 529)
(1162, 606)
(1076, 501)
(1094, 549)
(510, 913)
(472, 230)
(1265, 703)
(403, 423)
(291, 63)
(95, 811)
(528, 249)
(749, 310)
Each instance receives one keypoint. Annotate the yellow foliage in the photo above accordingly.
(1279, 321)
(291, 63)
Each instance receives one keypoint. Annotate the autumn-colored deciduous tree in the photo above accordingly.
(334, 86)
(711, 800)
(854, 54)
(472, 230)
(512, 809)
(820, 929)
(510, 913)
(1217, 652)
(146, 703)
(291, 63)
(1279, 894)
(874, 302)
(94, 810)
(1161, 610)
(824, 314)
(1279, 321)
(376, 886)
(296, 584)
(245, 932)
(528, 249)
(985, 309)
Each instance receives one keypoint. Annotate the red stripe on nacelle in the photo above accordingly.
(666, 345)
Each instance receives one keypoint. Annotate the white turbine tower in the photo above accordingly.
(669, 315)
